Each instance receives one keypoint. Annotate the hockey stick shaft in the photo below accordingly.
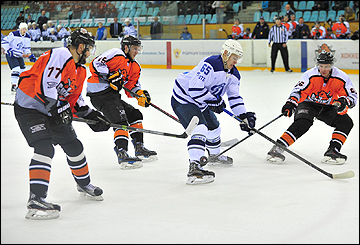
(345, 175)
(156, 107)
(248, 136)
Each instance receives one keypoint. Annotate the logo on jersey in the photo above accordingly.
(66, 88)
(321, 97)
(217, 89)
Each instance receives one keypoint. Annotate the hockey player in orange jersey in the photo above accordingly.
(110, 71)
(325, 93)
(46, 99)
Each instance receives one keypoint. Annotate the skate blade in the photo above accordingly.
(38, 214)
(220, 164)
(198, 181)
(276, 160)
(148, 159)
(337, 161)
(85, 195)
(128, 166)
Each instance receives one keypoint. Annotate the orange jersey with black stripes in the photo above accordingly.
(108, 63)
(53, 77)
(314, 88)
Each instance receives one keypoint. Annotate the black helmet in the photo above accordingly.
(129, 41)
(81, 36)
(325, 57)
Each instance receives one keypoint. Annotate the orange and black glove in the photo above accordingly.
(116, 80)
(342, 105)
(144, 98)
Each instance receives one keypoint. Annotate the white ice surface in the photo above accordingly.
(251, 202)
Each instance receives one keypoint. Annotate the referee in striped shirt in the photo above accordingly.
(279, 35)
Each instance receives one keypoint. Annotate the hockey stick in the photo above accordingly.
(156, 107)
(193, 123)
(345, 175)
(204, 159)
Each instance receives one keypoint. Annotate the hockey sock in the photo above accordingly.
(77, 161)
(137, 136)
(196, 145)
(343, 126)
(15, 73)
(40, 167)
(295, 131)
(213, 141)
(121, 138)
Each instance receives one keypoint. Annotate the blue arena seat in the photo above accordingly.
(302, 5)
(314, 16)
(331, 15)
(306, 16)
(256, 16)
(322, 16)
(309, 5)
(298, 14)
(266, 16)
(194, 19)
(272, 16)
(199, 20)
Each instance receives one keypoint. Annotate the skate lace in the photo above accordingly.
(90, 187)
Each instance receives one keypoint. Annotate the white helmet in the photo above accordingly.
(52, 30)
(59, 26)
(232, 47)
(23, 25)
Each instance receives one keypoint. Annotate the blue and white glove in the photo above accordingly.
(217, 105)
(248, 122)
(32, 58)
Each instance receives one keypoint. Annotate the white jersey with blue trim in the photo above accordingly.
(18, 43)
(208, 80)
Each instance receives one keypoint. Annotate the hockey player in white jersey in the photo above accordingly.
(199, 93)
(17, 46)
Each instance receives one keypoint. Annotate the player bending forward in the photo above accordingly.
(110, 71)
(199, 93)
(324, 93)
(48, 95)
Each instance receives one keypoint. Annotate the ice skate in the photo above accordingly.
(39, 209)
(125, 161)
(91, 192)
(198, 175)
(144, 154)
(275, 155)
(333, 156)
(220, 160)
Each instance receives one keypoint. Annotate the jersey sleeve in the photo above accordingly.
(236, 102)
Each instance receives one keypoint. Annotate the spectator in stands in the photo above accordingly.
(339, 5)
(288, 25)
(261, 30)
(318, 31)
(247, 34)
(29, 19)
(129, 28)
(42, 20)
(186, 35)
(294, 23)
(291, 3)
(341, 28)
(208, 8)
(116, 29)
(270, 6)
(45, 33)
(320, 5)
(53, 35)
(20, 19)
(330, 34)
(289, 12)
(101, 32)
(35, 32)
(220, 8)
(110, 11)
(156, 29)
(355, 9)
(349, 14)
(302, 30)
(237, 30)
(62, 32)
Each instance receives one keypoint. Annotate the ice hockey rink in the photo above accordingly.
(252, 201)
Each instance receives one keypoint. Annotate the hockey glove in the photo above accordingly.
(32, 58)
(116, 80)
(144, 100)
(102, 123)
(342, 105)
(62, 113)
(248, 122)
(289, 108)
(217, 105)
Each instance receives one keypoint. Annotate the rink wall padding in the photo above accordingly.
(185, 54)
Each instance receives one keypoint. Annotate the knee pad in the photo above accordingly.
(73, 148)
(343, 124)
(134, 116)
(300, 127)
(44, 148)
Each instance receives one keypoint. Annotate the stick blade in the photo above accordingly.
(192, 125)
(229, 142)
(345, 175)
